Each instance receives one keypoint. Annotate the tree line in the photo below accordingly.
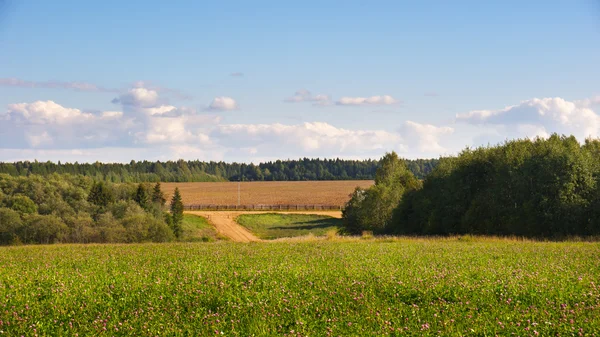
(199, 171)
(76, 209)
(533, 188)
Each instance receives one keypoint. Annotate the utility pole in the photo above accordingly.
(239, 183)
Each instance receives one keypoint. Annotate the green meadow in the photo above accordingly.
(275, 225)
(328, 287)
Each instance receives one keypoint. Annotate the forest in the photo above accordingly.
(531, 188)
(75, 209)
(199, 171)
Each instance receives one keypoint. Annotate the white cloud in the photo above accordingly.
(178, 130)
(47, 123)
(373, 100)
(139, 97)
(541, 116)
(36, 140)
(149, 128)
(308, 138)
(425, 137)
(45, 112)
(223, 103)
(304, 95)
(588, 102)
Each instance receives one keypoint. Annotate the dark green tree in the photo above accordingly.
(372, 209)
(158, 197)
(176, 213)
(141, 196)
(100, 195)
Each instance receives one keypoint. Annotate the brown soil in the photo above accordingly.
(335, 193)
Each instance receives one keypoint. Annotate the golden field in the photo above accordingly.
(267, 192)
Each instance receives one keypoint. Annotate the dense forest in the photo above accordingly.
(193, 171)
(532, 188)
(75, 209)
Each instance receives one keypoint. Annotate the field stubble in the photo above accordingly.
(267, 192)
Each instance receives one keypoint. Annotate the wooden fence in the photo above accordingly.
(263, 207)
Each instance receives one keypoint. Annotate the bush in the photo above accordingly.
(22, 204)
(44, 229)
(10, 226)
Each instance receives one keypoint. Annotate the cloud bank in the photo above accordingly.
(144, 125)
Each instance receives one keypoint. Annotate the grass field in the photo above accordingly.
(196, 228)
(274, 226)
(366, 288)
(267, 192)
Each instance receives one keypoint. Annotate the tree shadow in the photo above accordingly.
(313, 224)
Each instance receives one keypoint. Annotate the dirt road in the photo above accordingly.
(224, 222)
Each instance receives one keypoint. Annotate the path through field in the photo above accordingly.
(225, 224)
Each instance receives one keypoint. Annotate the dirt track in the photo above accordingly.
(224, 222)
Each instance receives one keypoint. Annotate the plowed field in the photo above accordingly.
(267, 192)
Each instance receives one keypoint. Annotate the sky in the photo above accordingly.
(253, 81)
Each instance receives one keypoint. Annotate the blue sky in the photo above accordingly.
(260, 80)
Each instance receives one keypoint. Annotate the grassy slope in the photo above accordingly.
(197, 228)
(274, 226)
(376, 288)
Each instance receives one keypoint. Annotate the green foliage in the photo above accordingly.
(158, 197)
(21, 204)
(100, 195)
(273, 225)
(371, 209)
(141, 196)
(10, 225)
(145, 228)
(74, 209)
(197, 229)
(196, 171)
(44, 229)
(176, 213)
(442, 287)
(539, 187)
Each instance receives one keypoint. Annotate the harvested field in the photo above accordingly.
(267, 192)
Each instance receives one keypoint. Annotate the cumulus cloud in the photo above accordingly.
(138, 97)
(77, 86)
(425, 137)
(308, 138)
(541, 116)
(588, 102)
(304, 95)
(38, 139)
(178, 130)
(45, 112)
(373, 100)
(47, 123)
(223, 103)
(145, 126)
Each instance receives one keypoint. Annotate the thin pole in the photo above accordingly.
(238, 192)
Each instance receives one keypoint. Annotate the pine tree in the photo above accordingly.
(141, 196)
(100, 195)
(176, 213)
(158, 196)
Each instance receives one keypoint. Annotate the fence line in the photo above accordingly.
(210, 207)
